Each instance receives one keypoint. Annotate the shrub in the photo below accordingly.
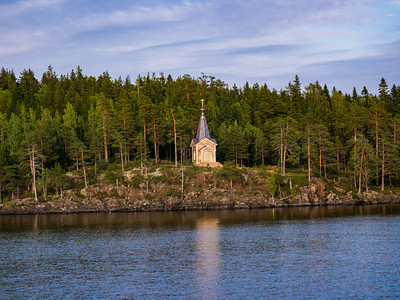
(271, 184)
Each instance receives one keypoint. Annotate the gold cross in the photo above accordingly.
(202, 102)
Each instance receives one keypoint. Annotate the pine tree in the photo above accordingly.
(296, 97)
(389, 152)
(285, 138)
(394, 102)
(354, 120)
(325, 148)
(6, 102)
(28, 87)
(236, 144)
(123, 129)
(363, 161)
(75, 148)
(47, 134)
(222, 138)
(145, 113)
(4, 151)
(104, 108)
(260, 145)
(310, 146)
(378, 117)
(365, 97)
(56, 176)
(68, 132)
(141, 154)
(29, 153)
(383, 92)
(93, 136)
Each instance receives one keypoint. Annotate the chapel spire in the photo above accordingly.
(202, 130)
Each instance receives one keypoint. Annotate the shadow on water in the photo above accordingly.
(154, 220)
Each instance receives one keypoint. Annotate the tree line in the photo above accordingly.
(70, 122)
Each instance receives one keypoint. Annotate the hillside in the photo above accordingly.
(203, 188)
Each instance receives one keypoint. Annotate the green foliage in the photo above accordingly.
(231, 172)
(271, 184)
(74, 121)
(112, 174)
(236, 144)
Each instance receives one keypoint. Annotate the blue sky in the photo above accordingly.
(343, 43)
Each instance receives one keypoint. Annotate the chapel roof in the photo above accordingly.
(203, 131)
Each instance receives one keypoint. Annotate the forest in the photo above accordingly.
(83, 124)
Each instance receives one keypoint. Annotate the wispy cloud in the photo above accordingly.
(24, 7)
(239, 40)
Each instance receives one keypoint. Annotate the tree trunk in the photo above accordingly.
(383, 167)
(125, 143)
(141, 163)
(83, 167)
(338, 163)
(355, 151)
(320, 161)
(183, 178)
(144, 139)
(122, 157)
(361, 168)
(34, 173)
(262, 155)
(284, 160)
(65, 145)
(155, 144)
(376, 145)
(175, 142)
(44, 189)
(95, 164)
(281, 150)
(105, 136)
(309, 154)
(41, 152)
(285, 150)
(236, 159)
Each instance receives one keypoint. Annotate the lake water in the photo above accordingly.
(314, 253)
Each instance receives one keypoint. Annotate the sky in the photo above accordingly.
(340, 43)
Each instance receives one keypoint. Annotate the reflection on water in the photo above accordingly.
(313, 253)
(207, 257)
(154, 220)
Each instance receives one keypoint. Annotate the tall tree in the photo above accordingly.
(285, 139)
(325, 148)
(124, 125)
(104, 111)
(237, 147)
(363, 160)
(296, 98)
(4, 151)
(93, 135)
(383, 91)
(29, 153)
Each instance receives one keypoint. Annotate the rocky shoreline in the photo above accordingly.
(127, 199)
